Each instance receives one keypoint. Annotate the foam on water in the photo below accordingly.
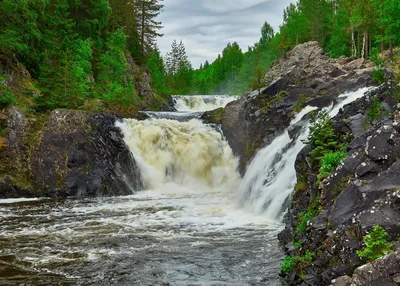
(193, 103)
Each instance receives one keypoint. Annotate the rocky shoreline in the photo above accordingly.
(69, 153)
(327, 221)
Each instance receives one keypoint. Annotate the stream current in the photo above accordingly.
(186, 228)
(196, 223)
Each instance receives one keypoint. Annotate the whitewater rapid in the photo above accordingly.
(271, 176)
(197, 222)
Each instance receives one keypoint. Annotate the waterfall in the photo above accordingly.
(271, 176)
(198, 103)
(182, 153)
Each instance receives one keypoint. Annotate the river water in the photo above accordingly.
(186, 228)
(196, 223)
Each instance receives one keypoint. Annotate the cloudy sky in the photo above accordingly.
(206, 26)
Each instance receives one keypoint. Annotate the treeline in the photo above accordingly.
(78, 51)
(360, 28)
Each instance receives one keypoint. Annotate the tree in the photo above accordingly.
(148, 26)
(388, 12)
(267, 33)
(157, 71)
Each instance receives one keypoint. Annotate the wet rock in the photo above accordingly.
(76, 153)
(304, 76)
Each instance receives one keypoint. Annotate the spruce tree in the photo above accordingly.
(148, 26)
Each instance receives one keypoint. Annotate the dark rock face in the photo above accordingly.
(364, 191)
(77, 153)
(381, 272)
(304, 76)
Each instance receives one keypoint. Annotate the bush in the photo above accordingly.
(376, 111)
(322, 136)
(6, 98)
(290, 262)
(329, 163)
(376, 244)
(378, 76)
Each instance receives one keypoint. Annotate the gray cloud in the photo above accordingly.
(206, 26)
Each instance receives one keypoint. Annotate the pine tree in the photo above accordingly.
(148, 26)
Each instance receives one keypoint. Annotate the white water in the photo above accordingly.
(189, 166)
(270, 178)
(193, 103)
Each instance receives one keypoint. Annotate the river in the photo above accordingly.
(196, 223)
(186, 228)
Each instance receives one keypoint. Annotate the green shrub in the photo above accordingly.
(378, 76)
(329, 163)
(376, 111)
(322, 136)
(376, 244)
(304, 219)
(290, 262)
(6, 98)
(298, 244)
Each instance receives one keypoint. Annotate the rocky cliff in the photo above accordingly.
(68, 153)
(330, 218)
(303, 76)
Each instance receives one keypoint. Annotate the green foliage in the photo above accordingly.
(322, 136)
(304, 219)
(376, 111)
(376, 244)
(292, 262)
(6, 98)
(75, 50)
(329, 163)
(298, 244)
(288, 264)
(378, 76)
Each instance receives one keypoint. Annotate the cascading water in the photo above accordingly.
(193, 103)
(185, 228)
(271, 176)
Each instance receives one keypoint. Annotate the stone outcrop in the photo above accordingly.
(363, 192)
(69, 153)
(384, 271)
(149, 100)
(304, 76)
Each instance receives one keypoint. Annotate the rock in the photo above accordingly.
(342, 281)
(303, 74)
(76, 153)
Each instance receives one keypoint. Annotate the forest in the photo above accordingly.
(78, 51)
(359, 28)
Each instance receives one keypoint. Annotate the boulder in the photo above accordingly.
(70, 153)
(304, 76)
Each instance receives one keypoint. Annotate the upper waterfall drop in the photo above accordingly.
(271, 176)
(185, 153)
(201, 103)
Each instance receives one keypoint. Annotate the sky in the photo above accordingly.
(207, 26)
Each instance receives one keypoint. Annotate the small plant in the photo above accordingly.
(329, 163)
(378, 76)
(304, 219)
(290, 262)
(322, 136)
(300, 104)
(376, 111)
(298, 244)
(6, 98)
(376, 244)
